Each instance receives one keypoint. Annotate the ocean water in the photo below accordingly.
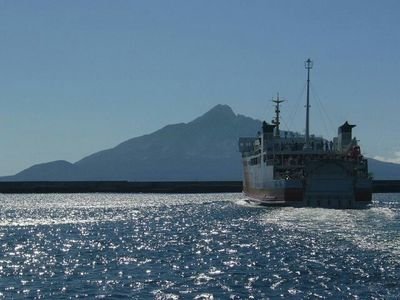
(195, 246)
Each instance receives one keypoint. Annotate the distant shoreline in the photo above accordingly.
(169, 187)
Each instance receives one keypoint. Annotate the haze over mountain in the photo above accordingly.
(203, 149)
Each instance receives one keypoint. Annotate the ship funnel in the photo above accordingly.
(345, 136)
(268, 131)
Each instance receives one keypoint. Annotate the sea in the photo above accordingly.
(195, 246)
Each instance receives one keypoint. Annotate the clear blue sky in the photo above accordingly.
(77, 77)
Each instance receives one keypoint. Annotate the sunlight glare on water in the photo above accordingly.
(194, 246)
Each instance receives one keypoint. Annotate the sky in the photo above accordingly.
(77, 77)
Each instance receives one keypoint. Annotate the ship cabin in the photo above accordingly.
(288, 152)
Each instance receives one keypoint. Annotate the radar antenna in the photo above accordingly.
(277, 122)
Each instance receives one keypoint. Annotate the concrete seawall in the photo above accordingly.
(386, 186)
(120, 187)
(26, 187)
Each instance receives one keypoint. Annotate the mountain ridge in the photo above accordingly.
(202, 149)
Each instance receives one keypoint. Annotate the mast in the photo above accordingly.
(308, 64)
(277, 112)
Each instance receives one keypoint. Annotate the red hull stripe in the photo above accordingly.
(294, 194)
(363, 195)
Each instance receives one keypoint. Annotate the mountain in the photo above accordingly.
(56, 170)
(384, 170)
(204, 149)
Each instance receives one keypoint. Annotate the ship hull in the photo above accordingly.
(361, 198)
(276, 196)
(328, 184)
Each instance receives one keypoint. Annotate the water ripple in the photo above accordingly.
(211, 246)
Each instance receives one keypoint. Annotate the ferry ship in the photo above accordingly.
(289, 169)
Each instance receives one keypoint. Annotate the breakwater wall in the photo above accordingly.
(26, 187)
(386, 186)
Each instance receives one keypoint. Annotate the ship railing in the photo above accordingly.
(294, 161)
(315, 146)
(298, 166)
(300, 152)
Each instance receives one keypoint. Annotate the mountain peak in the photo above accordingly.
(218, 112)
(222, 108)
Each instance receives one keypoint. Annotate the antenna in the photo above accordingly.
(308, 64)
(276, 122)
